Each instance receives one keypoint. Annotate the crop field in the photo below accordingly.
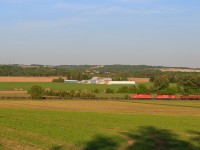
(99, 125)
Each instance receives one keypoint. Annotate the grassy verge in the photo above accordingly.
(61, 129)
(44, 129)
(183, 103)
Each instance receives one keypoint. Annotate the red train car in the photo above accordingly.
(166, 96)
(141, 96)
(190, 97)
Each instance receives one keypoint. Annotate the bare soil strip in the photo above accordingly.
(13, 92)
(100, 106)
(27, 79)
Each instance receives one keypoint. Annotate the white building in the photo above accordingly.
(99, 80)
(121, 82)
(71, 81)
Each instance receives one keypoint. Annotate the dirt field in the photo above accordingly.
(13, 92)
(27, 79)
(179, 70)
(17, 93)
(101, 106)
(139, 80)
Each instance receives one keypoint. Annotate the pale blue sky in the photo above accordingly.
(152, 32)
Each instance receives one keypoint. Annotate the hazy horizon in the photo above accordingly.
(133, 32)
(102, 65)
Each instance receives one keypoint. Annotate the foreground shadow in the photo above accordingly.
(145, 138)
(151, 138)
(1, 147)
(102, 143)
(195, 137)
(57, 147)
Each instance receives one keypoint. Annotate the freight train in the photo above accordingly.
(164, 97)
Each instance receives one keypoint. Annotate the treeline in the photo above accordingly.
(37, 92)
(85, 72)
(161, 85)
(15, 70)
(72, 72)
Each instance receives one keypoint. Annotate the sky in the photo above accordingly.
(99, 32)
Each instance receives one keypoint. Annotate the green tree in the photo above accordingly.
(169, 90)
(69, 75)
(132, 89)
(161, 82)
(191, 84)
(36, 92)
(58, 80)
(96, 91)
(143, 89)
(109, 90)
(85, 77)
(123, 89)
(126, 97)
(78, 76)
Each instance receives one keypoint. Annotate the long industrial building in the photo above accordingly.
(122, 82)
(100, 80)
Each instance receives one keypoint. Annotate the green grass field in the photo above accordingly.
(99, 125)
(59, 86)
(55, 86)
(63, 86)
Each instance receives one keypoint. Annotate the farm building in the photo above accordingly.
(94, 80)
(99, 80)
(84, 81)
(122, 82)
(71, 81)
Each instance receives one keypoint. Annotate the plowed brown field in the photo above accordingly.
(13, 92)
(27, 79)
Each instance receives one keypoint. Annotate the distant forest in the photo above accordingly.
(81, 72)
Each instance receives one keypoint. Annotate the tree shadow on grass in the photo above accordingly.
(151, 138)
(1, 147)
(102, 143)
(195, 137)
(145, 138)
(57, 147)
